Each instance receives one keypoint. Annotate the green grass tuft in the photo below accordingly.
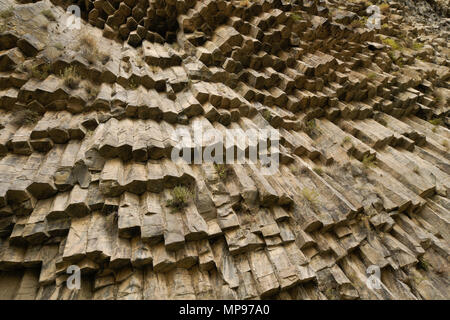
(417, 45)
(222, 170)
(41, 71)
(436, 122)
(371, 75)
(180, 198)
(345, 141)
(310, 195)
(369, 160)
(423, 264)
(318, 170)
(311, 129)
(392, 43)
(296, 17)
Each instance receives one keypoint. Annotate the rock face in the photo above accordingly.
(87, 123)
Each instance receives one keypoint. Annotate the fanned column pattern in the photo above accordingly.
(87, 123)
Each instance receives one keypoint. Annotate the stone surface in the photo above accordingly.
(89, 120)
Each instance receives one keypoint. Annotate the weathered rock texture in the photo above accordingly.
(86, 118)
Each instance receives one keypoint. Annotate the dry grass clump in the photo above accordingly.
(88, 48)
(92, 91)
(180, 198)
(5, 15)
(423, 264)
(359, 23)
(71, 77)
(25, 117)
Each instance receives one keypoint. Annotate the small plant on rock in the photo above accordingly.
(244, 3)
(222, 170)
(92, 91)
(310, 128)
(41, 71)
(392, 43)
(7, 13)
(88, 48)
(180, 198)
(267, 115)
(384, 7)
(369, 160)
(332, 293)
(436, 122)
(59, 46)
(345, 141)
(423, 264)
(48, 14)
(310, 195)
(318, 170)
(295, 170)
(417, 45)
(356, 24)
(296, 17)
(382, 122)
(71, 77)
(371, 75)
(25, 117)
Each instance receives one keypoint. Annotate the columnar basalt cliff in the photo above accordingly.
(87, 123)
